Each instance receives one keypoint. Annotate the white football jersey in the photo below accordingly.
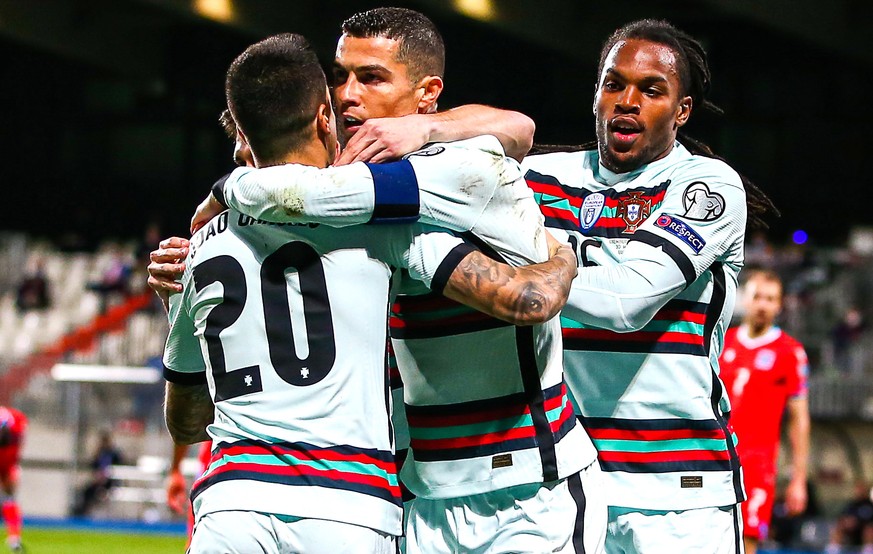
(486, 402)
(288, 325)
(661, 248)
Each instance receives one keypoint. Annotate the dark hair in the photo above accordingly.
(696, 81)
(421, 47)
(273, 92)
(228, 124)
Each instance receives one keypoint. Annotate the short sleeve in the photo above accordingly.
(798, 373)
(183, 358)
(702, 217)
(433, 255)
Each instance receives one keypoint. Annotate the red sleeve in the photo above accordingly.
(797, 371)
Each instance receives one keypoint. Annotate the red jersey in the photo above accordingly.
(12, 426)
(760, 375)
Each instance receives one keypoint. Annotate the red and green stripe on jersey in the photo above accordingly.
(677, 328)
(358, 470)
(485, 427)
(661, 445)
(561, 204)
(433, 315)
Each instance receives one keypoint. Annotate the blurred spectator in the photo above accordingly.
(33, 293)
(95, 491)
(115, 279)
(845, 337)
(759, 252)
(854, 527)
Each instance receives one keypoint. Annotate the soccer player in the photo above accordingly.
(659, 226)
(764, 372)
(510, 478)
(13, 424)
(658, 222)
(291, 322)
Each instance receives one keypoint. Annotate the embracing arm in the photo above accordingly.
(384, 139)
(525, 295)
(448, 184)
(624, 297)
(188, 409)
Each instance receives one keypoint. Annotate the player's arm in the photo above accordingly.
(177, 487)
(447, 185)
(663, 257)
(798, 425)
(525, 295)
(188, 410)
(384, 139)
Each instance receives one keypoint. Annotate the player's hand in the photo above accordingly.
(177, 493)
(795, 497)
(384, 139)
(207, 209)
(167, 265)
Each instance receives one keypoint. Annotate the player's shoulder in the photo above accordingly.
(487, 144)
(558, 164)
(695, 167)
(788, 342)
(730, 336)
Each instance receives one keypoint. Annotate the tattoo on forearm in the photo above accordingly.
(523, 295)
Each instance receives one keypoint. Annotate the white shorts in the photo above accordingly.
(709, 530)
(567, 516)
(240, 532)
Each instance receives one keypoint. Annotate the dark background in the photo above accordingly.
(109, 107)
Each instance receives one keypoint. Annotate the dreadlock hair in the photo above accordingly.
(696, 81)
(228, 124)
(274, 90)
(421, 48)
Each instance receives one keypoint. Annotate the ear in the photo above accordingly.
(322, 120)
(684, 113)
(241, 137)
(429, 89)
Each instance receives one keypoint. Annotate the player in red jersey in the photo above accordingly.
(12, 426)
(764, 371)
(177, 487)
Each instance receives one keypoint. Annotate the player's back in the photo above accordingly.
(485, 400)
(292, 321)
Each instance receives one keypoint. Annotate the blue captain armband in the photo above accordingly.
(395, 193)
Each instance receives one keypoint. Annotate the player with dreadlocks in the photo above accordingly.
(658, 222)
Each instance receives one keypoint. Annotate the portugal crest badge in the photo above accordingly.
(590, 211)
(633, 210)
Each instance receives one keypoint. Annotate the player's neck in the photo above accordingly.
(313, 153)
(755, 331)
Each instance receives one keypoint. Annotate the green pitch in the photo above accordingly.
(61, 541)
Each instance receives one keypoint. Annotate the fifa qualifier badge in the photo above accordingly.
(701, 204)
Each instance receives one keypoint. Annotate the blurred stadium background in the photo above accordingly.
(110, 137)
